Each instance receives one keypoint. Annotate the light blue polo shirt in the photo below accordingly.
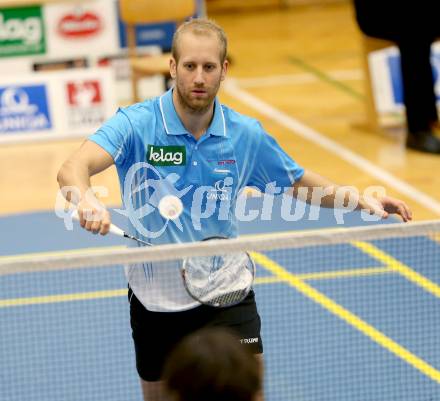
(155, 156)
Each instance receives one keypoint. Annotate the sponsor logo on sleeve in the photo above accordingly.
(166, 155)
(24, 108)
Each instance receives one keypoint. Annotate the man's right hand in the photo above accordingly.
(94, 217)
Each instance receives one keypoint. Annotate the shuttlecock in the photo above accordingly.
(170, 207)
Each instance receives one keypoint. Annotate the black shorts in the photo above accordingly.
(156, 333)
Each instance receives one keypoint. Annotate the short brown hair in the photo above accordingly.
(200, 26)
(212, 365)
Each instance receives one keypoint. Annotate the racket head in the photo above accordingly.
(219, 280)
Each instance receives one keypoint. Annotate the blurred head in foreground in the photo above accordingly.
(212, 365)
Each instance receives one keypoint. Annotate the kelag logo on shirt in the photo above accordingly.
(166, 155)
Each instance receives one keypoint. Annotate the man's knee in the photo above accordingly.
(153, 391)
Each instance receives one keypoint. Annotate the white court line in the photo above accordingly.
(302, 130)
(292, 79)
(36, 137)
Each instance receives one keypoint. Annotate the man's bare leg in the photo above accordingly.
(260, 396)
(153, 391)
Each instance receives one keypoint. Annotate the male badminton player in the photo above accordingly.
(192, 141)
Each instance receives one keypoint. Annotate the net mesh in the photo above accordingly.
(347, 314)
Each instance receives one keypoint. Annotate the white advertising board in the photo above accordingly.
(81, 29)
(54, 105)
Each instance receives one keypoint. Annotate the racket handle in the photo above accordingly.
(116, 230)
(113, 228)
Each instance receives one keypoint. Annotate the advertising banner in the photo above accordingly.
(21, 31)
(83, 28)
(24, 108)
(56, 104)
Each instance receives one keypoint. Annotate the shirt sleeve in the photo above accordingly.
(272, 164)
(115, 137)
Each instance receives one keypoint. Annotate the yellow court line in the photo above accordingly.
(267, 280)
(30, 256)
(348, 317)
(360, 272)
(82, 296)
(47, 299)
(367, 271)
(398, 267)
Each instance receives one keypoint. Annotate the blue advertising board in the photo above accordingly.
(160, 34)
(393, 62)
(24, 108)
(150, 35)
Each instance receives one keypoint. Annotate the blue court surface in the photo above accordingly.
(357, 322)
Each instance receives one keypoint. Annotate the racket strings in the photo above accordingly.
(228, 299)
(220, 280)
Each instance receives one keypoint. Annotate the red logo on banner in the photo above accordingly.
(83, 94)
(79, 25)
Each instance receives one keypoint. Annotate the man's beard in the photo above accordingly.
(196, 106)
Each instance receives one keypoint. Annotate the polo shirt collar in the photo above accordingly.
(173, 125)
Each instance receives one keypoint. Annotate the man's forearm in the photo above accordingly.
(75, 180)
(319, 191)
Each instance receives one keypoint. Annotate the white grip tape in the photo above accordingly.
(116, 230)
